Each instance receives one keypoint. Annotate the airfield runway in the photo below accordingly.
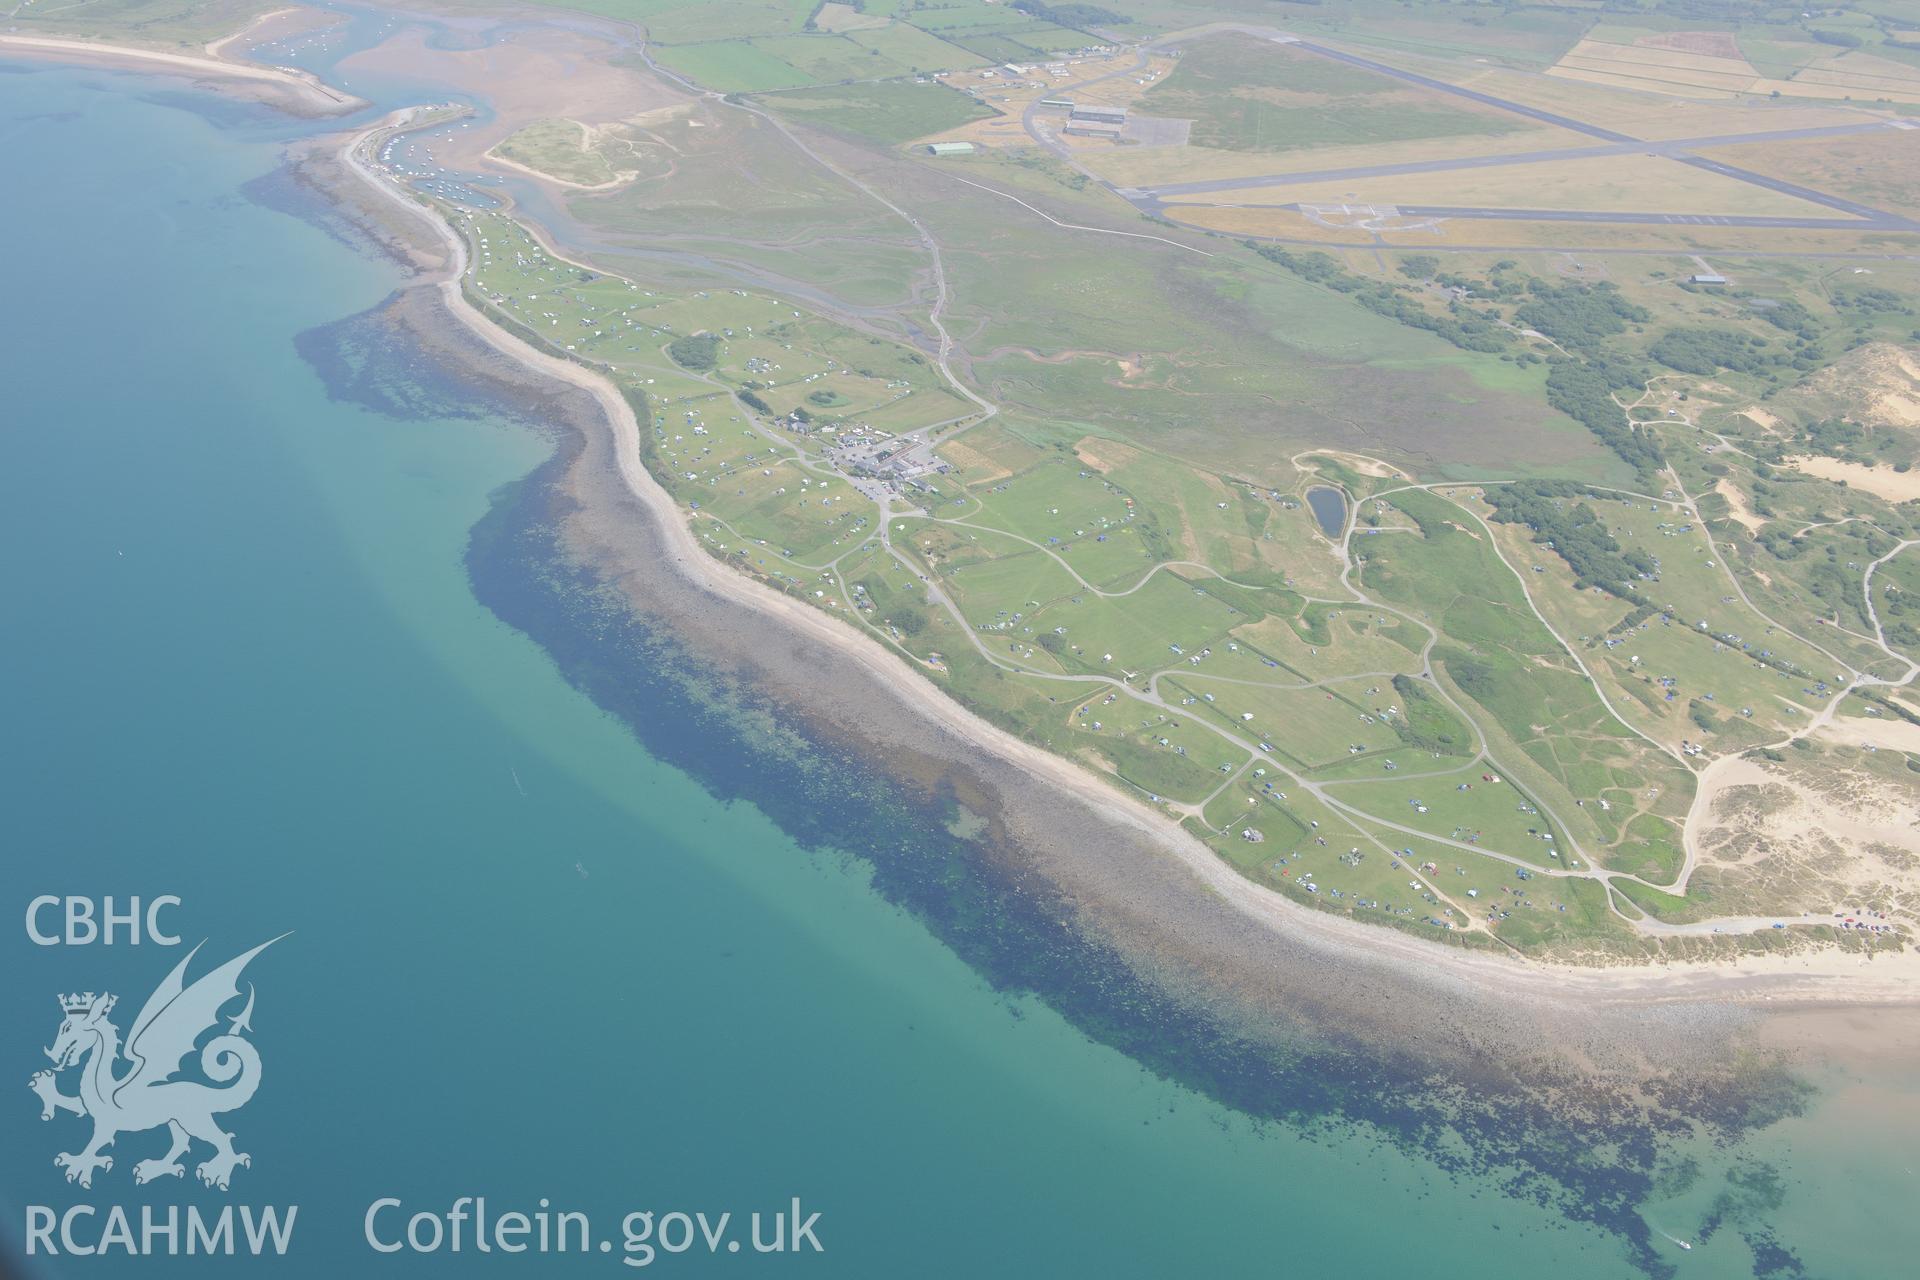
(1155, 200)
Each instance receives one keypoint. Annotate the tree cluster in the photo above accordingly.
(1570, 527)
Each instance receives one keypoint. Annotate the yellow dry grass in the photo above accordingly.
(1881, 169)
(1622, 183)
(1654, 70)
(980, 468)
(844, 17)
(1285, 224)
(1646, 59)
(1811, 89)
(1719, 44)
(1656, 117)
(1862, 73)
(1104, 455)
(988, 131)
(1675, 118)
(1157, 166)
(1644, 84)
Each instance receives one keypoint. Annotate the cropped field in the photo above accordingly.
(1801, 71)
(1644, 114)
(1656, 70)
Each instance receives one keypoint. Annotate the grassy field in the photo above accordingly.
(1222, 346)
(802, 224)
(1250, 96)
(178, 25)
(733, 66)
(891, 112)
(914, 49)
(565, 150)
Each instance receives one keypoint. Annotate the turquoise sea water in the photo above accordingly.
(245, 666)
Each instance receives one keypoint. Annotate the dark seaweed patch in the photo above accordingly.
(286, 190)
(366, 360)
(224, 113)
(1590, 1151)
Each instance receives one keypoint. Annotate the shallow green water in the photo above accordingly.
(245, 666)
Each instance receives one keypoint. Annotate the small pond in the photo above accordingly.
(1330, 509)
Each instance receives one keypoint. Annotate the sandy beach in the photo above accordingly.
(1831, 977)
(287, 88)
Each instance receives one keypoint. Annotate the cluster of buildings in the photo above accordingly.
(892, 462)
(1090, 119)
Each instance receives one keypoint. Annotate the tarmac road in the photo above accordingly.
(1676, 149)
(1485, 99)
(1886, 222)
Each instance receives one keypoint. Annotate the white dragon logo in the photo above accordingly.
(147, 1096)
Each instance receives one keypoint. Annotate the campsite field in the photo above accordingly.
(1189, 676)
(1431, 719)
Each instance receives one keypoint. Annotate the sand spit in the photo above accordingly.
(290, 89)
(525, 76)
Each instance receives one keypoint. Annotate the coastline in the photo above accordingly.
(1823, 978)
(1313, 1046)
(297, 92)
(1818, 980)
